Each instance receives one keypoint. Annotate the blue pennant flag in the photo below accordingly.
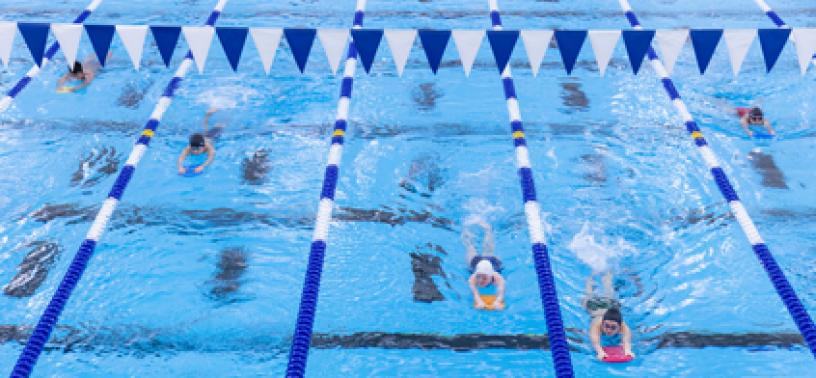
(772, 42)
(434, 43)
(502, 43)
(637, 44)
(166, 38)
(367, 41)
(300, 42)
(569, 45)
(704, 42)
(35, 35)
(232, 40)
(101, 37)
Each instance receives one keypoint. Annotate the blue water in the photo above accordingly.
(617, 176)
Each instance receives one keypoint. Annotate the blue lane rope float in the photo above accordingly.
(776, 19)
(783, 287)
(35, 70)
(36, 342)
(546, 281)
(302, 338)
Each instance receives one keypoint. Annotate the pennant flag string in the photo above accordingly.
(434, 42)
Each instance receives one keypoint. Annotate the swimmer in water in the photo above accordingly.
(486, 282)
(607, 327)
(753, 118)
(200, 144)
(84, 72)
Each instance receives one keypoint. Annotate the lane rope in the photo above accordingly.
(35, 70)
(546, 281)
(36, 342)
(301, 340)
(783, 287)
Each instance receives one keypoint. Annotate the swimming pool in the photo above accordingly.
(202, 276)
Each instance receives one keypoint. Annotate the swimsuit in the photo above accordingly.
(614, 340)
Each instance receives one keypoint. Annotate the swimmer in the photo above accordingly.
(607, 328)
(200, 143)
(753, 118)
(486, 283)
(86, 73)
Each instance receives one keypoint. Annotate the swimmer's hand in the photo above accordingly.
(198, 169)
(480, 304)
(182, 170)
(750, 133)
(601, 355)
(629, 353)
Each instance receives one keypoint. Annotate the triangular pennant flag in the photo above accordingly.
(434, 43)
(637, 44)
(502, 43)
(772, 42)
(467, 43)
(400, 42)
(199, 39)
(133, 37)
(738, 42)
(68, 36)
(101, 37)
(805, 41)
(334, 43)
(232, 40)
(7, 32)
(300, 43)
(704, 42)
(367, 41)
(35, 35)
(670, 42)
(569, 45)
(266, 41)
(166, 39)
(536, 43)
(603, 44)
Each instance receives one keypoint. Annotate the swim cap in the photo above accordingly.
(614, 315)
(484, 267)
(197, 140)
(77, 69)
(756, 112)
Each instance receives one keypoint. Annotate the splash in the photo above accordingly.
(226, 97)
(601, 254)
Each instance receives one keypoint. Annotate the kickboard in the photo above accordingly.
(614, 354)
(490, 300)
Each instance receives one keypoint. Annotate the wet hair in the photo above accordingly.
(197, 140)
(76, 69)
(755, 112)
(614, 315)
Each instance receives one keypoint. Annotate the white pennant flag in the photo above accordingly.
(468, 43)
(603, 44)
(7, 32)
(400, 42)
(334, 43)
(670, 42)
(805, 41)
(536, 43)
(68, 36)
(738, 42)
(199, 39)
(133, 37)
(266, 41)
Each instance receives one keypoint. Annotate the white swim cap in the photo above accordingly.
(484, 267)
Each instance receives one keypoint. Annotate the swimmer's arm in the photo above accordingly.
(206, 120)
(500, 288)
(184, 153)
(769, 128)
(744, 124)
(627, 339)
(62, 80)
(474, 290)
(210, 155)
(595, 336)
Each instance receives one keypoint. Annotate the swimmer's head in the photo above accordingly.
(484, 271)
(755, 115)
(612, 321)
(76, 70)
(197, 143)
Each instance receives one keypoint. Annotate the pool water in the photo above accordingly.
(202, 276)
